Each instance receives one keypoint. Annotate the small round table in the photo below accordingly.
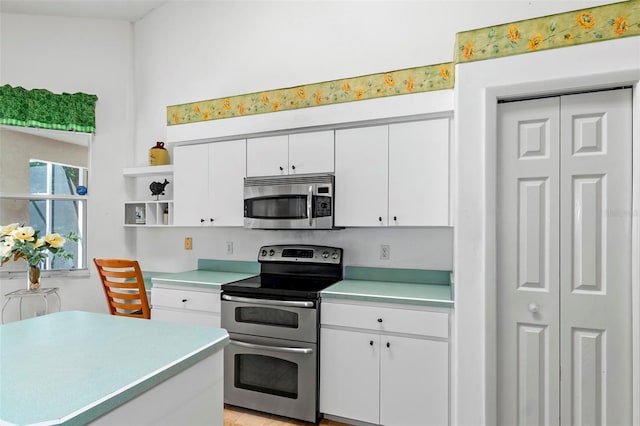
(43, 293)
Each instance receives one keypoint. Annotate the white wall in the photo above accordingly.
(191, 51)
(91, 56)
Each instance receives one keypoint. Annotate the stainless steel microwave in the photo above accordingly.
(289, 202)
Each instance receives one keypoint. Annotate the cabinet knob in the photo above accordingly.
(370, 342)
(184, 300)
(379, 319)
(201, 220)
(211, 219)
(533, 307)
(388, 344)
(395, 218)
(379, 218)
(281, 169)
(293, 167)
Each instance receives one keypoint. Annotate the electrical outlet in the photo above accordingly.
(188, 243)
(229, 247)
(385, 252)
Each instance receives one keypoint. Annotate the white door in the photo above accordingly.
(191, 185)
(350, 374)
(414, 381)
(311, 152)
(268, 156)
(563, 264)
(227, 170)
(362, 169)
(419, 173)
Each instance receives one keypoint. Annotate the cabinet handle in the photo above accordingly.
(184, 300)
(388, 344)
(370, 342)
(379, 319)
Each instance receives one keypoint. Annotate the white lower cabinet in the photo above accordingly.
(382, 375)
(186, 305)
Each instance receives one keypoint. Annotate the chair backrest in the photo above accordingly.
(124, 287)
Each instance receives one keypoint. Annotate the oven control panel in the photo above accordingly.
(300, 253)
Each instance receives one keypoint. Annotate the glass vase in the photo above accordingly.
(33, 277)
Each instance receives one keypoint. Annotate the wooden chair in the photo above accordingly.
(124, 287)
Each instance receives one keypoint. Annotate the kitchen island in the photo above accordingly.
(75, 368)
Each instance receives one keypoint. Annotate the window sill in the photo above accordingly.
(75, 273)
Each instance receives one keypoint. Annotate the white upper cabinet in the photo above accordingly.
(419, 173)
(298, 153)
(268, 156)
(362, 167)
(393, 175)
(311, 152)
(209, 182)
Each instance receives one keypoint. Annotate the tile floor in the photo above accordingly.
(235, 416)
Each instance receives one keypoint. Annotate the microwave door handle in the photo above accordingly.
(309, 200)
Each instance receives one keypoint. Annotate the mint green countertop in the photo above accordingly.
(71, 367)
(387, 285)
(210, 274)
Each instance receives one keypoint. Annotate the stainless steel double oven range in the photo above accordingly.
(272, 362)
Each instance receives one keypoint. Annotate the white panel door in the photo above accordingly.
(227, 162)
(311, 152)
(419, 173)
(595, 227)
(191, 185)
(528, 263)
(564, 226)
(362, 166)
(268, 156)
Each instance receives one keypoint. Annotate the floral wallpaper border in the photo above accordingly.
(600, 23)
(411, 80)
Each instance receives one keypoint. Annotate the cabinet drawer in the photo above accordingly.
(186, 299)
(203, 319)
(410, 321)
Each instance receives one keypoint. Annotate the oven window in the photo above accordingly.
(284, 207)
(266, 316)
(266, 374)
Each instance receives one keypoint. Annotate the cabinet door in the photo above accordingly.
(414, 381)
(361, 190)
(419, 173)
(227, 170)
(191, 184)
(268, 156)
(311, 152)
(349, 374)
(202, 319)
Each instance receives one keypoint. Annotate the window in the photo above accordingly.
(60, 215)
(38, 187)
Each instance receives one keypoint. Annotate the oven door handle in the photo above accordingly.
(289, 303)
(272, 348)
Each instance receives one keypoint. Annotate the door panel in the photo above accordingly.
(528, 310)
(595, 226)
(564, 267)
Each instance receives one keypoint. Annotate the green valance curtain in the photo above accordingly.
(46, 110)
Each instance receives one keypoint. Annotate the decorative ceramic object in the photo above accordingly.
(158, 155)
(157, 188)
